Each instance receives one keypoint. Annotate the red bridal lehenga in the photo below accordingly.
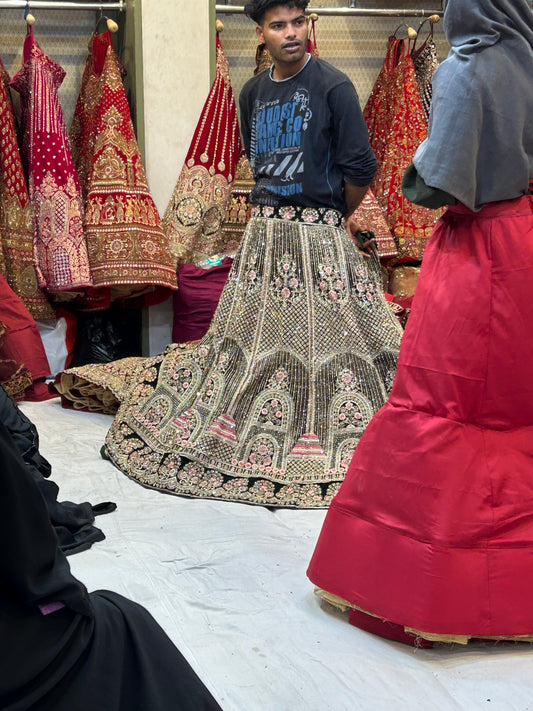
(128, 251)
(397, 126)
(431, 533)
(60, 247)
(17, 262)
(197, 209)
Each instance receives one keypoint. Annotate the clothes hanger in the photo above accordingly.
(400, 42)
(111, 24)
(432, 19)
(28, 17)
(411, 32)
(314, 18)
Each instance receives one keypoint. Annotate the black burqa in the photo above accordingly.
(99, 651)
(73, 523)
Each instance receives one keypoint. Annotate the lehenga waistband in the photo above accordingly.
(514, 206)
(296, 213)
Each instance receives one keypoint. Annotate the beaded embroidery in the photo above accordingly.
(308, 215)
(269, 407)
(60, 248)
(128, 250)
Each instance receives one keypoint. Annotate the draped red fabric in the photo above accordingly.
(23, 361)
(196, 300)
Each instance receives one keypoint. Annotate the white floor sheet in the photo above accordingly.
(227, 582)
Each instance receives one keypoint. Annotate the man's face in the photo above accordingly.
(284, 31)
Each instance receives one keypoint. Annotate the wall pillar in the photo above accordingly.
(177, 49)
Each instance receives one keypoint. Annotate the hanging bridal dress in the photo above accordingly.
(60, 247)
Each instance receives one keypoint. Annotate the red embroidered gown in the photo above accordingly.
(397, 125)
(17, 263)
(197, 209)
(128, 250)
(53, 181)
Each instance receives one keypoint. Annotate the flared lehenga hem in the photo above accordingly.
(269, 406)
(410, 632)
(252, 491)
(459, 568)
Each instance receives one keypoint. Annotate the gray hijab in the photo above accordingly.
(480, 140)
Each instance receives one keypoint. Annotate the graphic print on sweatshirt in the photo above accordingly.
(276, 142)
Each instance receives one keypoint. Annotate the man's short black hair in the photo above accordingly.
(256, 9)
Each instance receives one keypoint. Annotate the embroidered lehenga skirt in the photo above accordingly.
(432, 529)
(269, 406)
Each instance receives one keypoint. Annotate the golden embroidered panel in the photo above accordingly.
(128, 250)
(197, 209)
(268, 408)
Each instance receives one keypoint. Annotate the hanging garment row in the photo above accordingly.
(87, 216)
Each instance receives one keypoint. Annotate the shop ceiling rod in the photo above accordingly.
(343, 11)
(60, 5)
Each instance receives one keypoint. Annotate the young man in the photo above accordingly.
(301, 121)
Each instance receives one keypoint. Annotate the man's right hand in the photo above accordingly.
(364, 240)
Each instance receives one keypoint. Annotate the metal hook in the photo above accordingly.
(411, 32)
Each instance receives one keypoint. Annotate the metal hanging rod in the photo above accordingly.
(343, 11)
(60, 5)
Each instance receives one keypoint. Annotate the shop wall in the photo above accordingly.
(176, 78)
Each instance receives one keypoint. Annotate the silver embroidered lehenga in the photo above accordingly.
(269, 406)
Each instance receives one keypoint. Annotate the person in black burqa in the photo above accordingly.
(61, 648)
(72, 522)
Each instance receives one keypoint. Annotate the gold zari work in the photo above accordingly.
(128, 250)
(239, 208)
(99, 387)
(269, 407)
